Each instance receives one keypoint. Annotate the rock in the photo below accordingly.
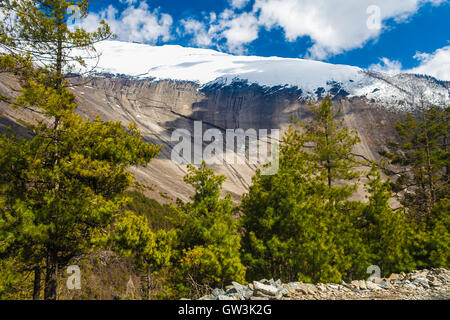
(292, 285)
(372, 286)
(362, 285)
(224, 297)
(355, 284)
(410, 285)
(377, 280)
(265, 289)
(422, 281)
(284, 292)
(240, 291)
(385, 284)
(333, 286)
(394, 276)
(279, 295)
(217, 292)
(307, 288)
(259, 298)
(435, 284)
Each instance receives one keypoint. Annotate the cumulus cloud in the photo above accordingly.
(235, 29)
(334, 26)
(201, 35)
(135, 23)
(239, 4)
(385, 65)
(436, 64)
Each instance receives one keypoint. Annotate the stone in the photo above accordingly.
(372, 286)
(224, 297)
(259, 298)
(422, 281)
(208, 297)
(436, 284)
(377, 280)
(355, 284)
(362, 285)
(409, 285)
(217, 292)
(284, 292)
(333, 286)
(384, 284)
(293, 285)
(307, 288)
(265, 289)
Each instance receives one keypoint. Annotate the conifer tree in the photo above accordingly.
(64, 186)
(208, 242)
(386, 232)
(298, 223)
(422, 184)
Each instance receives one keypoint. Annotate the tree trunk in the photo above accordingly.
(37, 284)
(51, 277)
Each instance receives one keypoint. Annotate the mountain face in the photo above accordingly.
(166, 88)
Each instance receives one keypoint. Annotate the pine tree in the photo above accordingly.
(150, 251)
(386, 232)
(208, 242)
(64, 186)
(423, 156)
(299, 223)
(422, 185)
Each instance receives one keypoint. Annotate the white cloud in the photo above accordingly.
(240, 30)
(238, 4)
(334, 26)
(135, 23)
(436, 64)
(237, 30)
(391, 67)
(201, 36)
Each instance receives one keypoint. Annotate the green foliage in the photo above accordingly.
(423, 155)
(208, 242)
(160, 216)
(386, 232)
(298, 223)
(65, 186)
(423, 182)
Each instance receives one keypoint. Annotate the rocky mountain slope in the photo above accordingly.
(167, 88)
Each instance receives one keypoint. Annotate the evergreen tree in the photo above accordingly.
(386, 232)
(298, 223)
(151, 251)
(423, 156)
(422, 185)
(65, 185)
(208, 242)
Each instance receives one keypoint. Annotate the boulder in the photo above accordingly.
(265, 289)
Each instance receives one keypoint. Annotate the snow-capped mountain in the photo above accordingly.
(313, 79)
(167, 88)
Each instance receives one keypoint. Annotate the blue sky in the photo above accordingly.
(384, 35)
